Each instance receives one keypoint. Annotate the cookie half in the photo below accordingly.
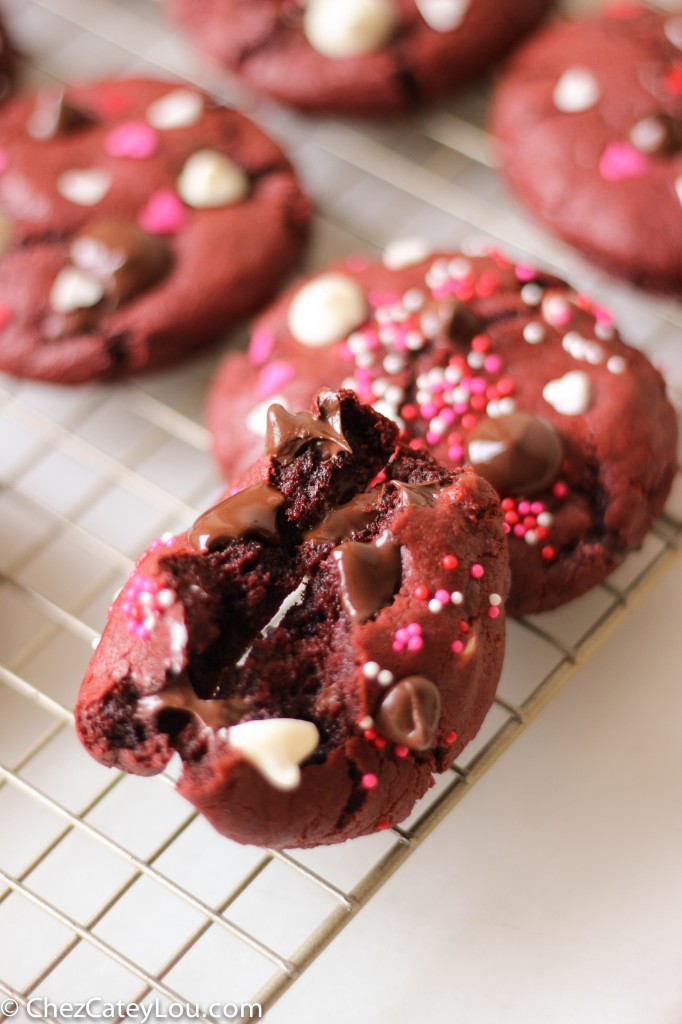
(479, 361)
(357, 56)
(588, 119)
(318, 644)
(141, 220)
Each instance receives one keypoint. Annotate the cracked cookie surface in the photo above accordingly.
(318, 644)
(357, 56)
(141, 220)
(478, 360)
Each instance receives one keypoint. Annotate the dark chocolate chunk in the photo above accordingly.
(370, 575)
(179, 694)
(354, 516)
(410, 713)
(449, 319)
(122, 256)
(53, 115)
(287, 433)
(517, 454)
(251, 512)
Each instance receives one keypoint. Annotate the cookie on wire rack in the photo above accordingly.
(318, 644)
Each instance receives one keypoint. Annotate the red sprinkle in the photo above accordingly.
(493, 612)
(421, 593)
(383, 824)
(548, 552)
(401, 751)
(450, 737)
(380, 743)
(450, 562)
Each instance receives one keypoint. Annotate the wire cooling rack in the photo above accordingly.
(110, 886)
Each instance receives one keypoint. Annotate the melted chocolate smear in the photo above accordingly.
(370, 575)
(287, 433)
(251, 512)
(122, 256)
(353, 517)
(179, 695)
(517, 454)
(410, 713)
(53, 116)
(421, 495)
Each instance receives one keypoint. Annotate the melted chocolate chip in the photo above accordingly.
(179, 694)
(449, 319)
(517, 454)
(287, 433)
(353, 517)
(370, 575)
(657, 135)
(421, 495)
(251, 512)
(53, 116)
(122, 256)
(410, 713)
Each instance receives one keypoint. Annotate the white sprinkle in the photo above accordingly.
(150, 622)
(495, 600)
(367, 722)
(616, 364)
(413, 299)
(534, 333)
(492, 409)
(165, 598)
(457, 597)
(357, 343)
(365, 360)
(94, 643)
(459, 268)
(370, 670)
(435, 605)
(145, 597)
(531, 537)
(385, 677)
(476, 360)
(506, 406)
(556, 310)
(576, 90)
(604, 332)
(532, 294)
(443, 15)
(84, 187)
(393, 363)
(394, 394)
(545, 519)
(414, 341)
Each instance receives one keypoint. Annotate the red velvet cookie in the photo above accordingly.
(357, 56)
(318, 644)
(143, 219)
(482, 361)
(588, 118)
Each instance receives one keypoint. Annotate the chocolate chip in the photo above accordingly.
(410, 713)
(517, 454)
(251, 512)
(287, 433)
(370, 575)
(53, 115)
(122, 256)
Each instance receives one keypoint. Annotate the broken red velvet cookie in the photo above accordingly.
(115, 199)
(318, 644)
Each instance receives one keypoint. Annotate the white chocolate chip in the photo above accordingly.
(86, 188)
(443, 15)
(73, 289)
(534, 333)
(276, 747)
(257, 419)
(327, 309)
(569, 395)
(673, 31)
(576, 90)
(349, 28)
(210, 179)
(678, 188)
(405, 252)
(177, 109)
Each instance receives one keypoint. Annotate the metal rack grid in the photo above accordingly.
(98, 875)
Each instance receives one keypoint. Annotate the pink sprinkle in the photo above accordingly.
(493, 613)
(4, 160)
(537, 507)
(415, 643)
(525, 273)
(524, 507)
(260, 346)
(519, 530)
(432, 437)
(164, 213)
(369, 780)
(273, 377)
(456, 452)
(443, 596)
(492, 364)
(457, 647)
(603, 316)
(620, 161)
(401, 751)
(133, 139)
(477, 571)
(560, 489)
(478, 385)
(414, 629)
